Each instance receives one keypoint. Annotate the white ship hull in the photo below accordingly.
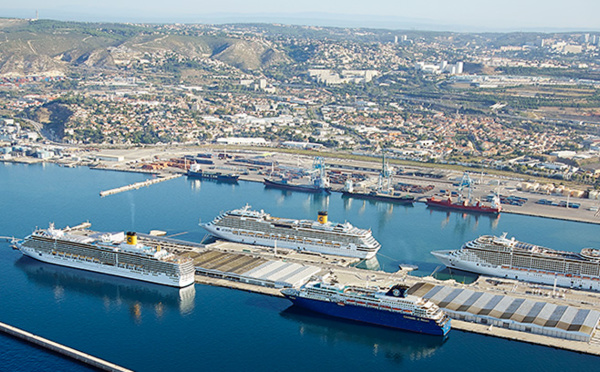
(528, 275)
(152, 277)
(325, 248)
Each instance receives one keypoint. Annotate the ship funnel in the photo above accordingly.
(131, 238)
(322, 217)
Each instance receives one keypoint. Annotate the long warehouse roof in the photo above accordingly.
(520, 310)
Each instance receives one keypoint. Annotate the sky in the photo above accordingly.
(439, 15)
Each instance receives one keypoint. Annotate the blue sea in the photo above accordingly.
(148, 327)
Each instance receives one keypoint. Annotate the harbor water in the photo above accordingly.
(147, 327)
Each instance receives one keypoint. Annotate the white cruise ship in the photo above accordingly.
(108, 253)
(257, 227)
(509, 258)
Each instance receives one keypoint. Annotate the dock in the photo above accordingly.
(62, 349)
(138, 185)
(565, 319)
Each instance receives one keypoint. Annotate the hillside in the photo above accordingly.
(55, 48)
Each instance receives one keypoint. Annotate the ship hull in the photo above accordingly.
(294, 187)
(151, 277)
(459, 207)
(382, 318)
(226, 234)
(214, 176)
(522, 274)
(378, 197)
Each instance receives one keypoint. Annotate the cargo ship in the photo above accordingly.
(509, 258)
(465, 205)
(285, 184)
(257, 227)
(196, 172)
(393, 307)
(116, 254)
(318, 181)
(383, 191)
(390, 196)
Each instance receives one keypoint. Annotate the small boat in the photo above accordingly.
(407, 267)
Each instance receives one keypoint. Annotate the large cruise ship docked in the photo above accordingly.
(509, 258)
(392, 308)
(257, 227)
(108, 253)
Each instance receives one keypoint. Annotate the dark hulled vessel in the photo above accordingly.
(392, 308)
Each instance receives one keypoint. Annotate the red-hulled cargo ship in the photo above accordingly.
(478, 207)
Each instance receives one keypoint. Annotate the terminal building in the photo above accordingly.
(252, 270)
(519, 314)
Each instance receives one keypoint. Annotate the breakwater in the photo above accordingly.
(138, 185)
(62, 349)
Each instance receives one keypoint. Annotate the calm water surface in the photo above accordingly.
(153, 328)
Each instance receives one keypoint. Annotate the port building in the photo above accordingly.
(520, 314)
(251, 269)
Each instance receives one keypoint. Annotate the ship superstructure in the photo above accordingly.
(509, 258)
(109, 253)
(390, 308)
(257, 227)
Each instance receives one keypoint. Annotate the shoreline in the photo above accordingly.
(509, 209)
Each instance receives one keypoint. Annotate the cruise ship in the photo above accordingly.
(509, 258)
(389, 308)
(108, 253)
(257, 227)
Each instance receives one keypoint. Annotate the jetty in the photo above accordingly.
(138, 185)
(61, 349)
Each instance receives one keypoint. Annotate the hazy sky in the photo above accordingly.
(461, 15)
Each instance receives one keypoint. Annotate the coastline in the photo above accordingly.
(582, 215)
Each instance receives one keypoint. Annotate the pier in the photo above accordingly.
(62, 349)
(564, 318)
(138, 185)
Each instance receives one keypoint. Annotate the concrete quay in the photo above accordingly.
(577, 346)
(62, 349)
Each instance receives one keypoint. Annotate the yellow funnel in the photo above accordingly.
(322, 217)
(131, 238)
